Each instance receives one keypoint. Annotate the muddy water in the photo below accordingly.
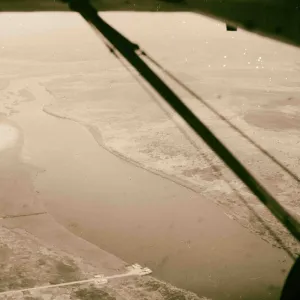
(142, 217)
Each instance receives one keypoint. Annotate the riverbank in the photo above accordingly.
(27, 263)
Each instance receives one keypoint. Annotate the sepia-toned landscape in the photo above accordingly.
(90, 152)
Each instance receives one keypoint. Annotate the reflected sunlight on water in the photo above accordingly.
(8, 136)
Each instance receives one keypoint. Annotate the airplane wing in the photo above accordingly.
(276, 19)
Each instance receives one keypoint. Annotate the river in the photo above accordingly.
(139, 216)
